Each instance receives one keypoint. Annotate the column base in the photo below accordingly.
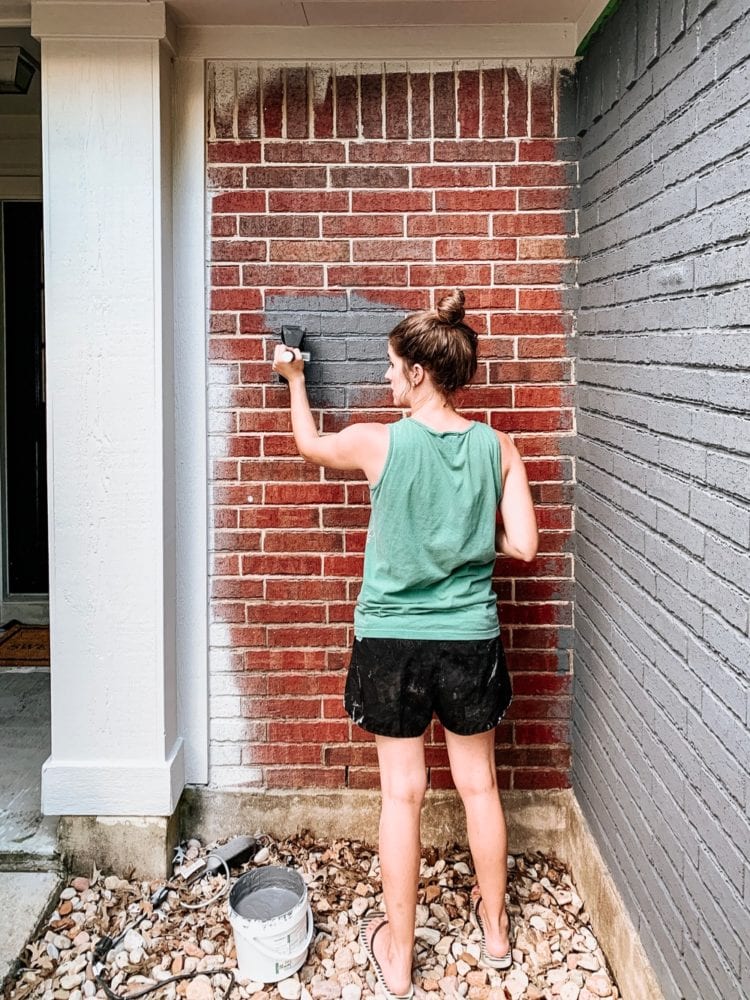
(113, 788)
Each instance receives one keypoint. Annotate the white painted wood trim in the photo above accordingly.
(191, 414)
(453, 42)
(91, 19)
(109, 787)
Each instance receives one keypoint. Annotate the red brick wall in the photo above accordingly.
(339, 199)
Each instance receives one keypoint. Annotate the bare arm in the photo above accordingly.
(518, 535)
(359, 446)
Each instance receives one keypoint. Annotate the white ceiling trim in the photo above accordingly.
(378, 13)
(507, 41)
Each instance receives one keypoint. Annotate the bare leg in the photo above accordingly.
(403, 781)
(472, 760)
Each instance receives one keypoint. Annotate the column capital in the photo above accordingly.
(99, 19)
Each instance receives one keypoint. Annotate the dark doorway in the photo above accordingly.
(25, 479)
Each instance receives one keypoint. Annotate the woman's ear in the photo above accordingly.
(416, 374)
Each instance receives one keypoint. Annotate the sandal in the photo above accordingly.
(371, 918)
(491, 961)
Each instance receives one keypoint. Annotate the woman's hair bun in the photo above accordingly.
(450, 308)
(440, 341)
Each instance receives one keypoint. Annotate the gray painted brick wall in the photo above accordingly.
(662, 678)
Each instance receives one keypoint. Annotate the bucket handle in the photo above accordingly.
(268, 953)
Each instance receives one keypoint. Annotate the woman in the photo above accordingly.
(426, 627)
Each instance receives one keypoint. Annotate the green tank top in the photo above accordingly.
(431, 542)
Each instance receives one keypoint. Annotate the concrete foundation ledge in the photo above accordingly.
(139, 846)
(537, 818)
(609, 918)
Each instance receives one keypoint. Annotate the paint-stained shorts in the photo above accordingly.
(394, 685)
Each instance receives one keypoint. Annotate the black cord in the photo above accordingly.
(104, 984)
(105, 944)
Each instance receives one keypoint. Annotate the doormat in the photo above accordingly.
(24, 645)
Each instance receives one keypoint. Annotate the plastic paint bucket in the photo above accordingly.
(272, 923)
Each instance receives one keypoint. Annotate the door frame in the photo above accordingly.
(29, 608)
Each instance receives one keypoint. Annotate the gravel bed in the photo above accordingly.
(555, 954)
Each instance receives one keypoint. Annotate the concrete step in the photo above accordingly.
(29, 897)
(34, 849)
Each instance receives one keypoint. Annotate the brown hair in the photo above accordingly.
(440, 342)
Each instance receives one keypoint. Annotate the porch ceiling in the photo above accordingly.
(535, 24)
(381, 13)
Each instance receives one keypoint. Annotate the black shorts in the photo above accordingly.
(394, 685)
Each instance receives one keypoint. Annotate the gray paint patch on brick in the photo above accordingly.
(348, 348)
(359, 302)
(663, 546)
(310, 303)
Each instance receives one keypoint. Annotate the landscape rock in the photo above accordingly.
(289, 989)
(555, 954)
(200, 988)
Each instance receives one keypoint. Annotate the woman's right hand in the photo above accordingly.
(287, 361)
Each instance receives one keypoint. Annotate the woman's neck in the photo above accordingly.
(430, 402)
(436, 411)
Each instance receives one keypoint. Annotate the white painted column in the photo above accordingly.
(106, 108)
(189, 187)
